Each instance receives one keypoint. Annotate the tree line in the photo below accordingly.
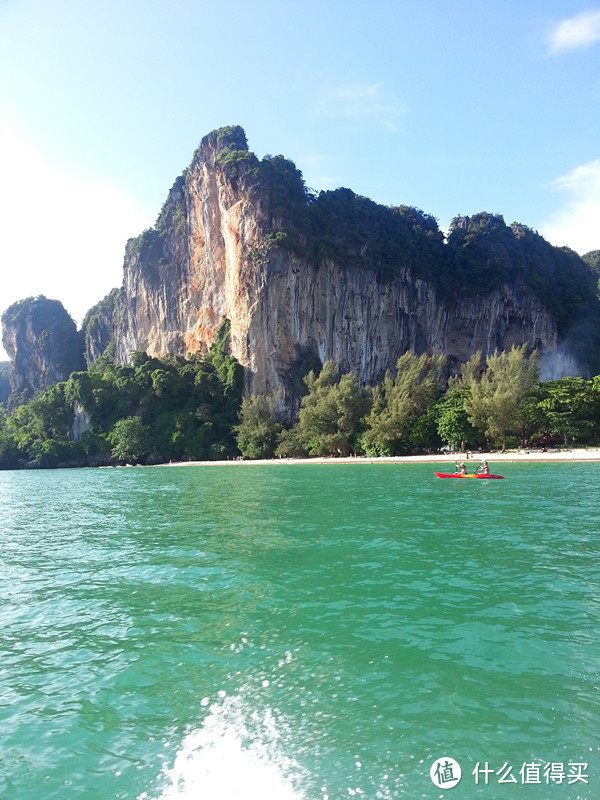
(155, 410)
(490, 405)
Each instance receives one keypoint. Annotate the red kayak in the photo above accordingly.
(479, 476)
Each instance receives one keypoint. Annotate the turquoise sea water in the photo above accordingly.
(314, 632)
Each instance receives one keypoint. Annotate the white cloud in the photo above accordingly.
(579, 31)
(62, 235)
(577, 223)
(361, 101)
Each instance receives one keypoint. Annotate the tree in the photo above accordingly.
(399, 401)
(569, 407)
(470, 372)
(48, 416)
(258, 429)
(229, 371)
(8, 448)
(291, 444)
(453, 422)
(424, 434)
(496, 400)
(330, 414)
(130, 440)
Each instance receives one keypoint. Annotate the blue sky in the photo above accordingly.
(451, 106)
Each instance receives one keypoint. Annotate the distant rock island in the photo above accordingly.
(43, 344)
(304, 278)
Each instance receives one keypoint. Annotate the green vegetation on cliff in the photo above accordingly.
(173, 214)
(592, 259)
(487, 253)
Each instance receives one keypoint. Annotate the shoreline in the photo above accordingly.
(591, 454)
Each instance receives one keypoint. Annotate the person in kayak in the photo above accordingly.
(460, 469)
(483, 468)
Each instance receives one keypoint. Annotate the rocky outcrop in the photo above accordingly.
(43, 344)
(220, 249)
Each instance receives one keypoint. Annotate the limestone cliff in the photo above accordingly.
(304, 279)
(99, 326)
(43, 344)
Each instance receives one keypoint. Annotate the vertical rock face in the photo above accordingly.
(215, 254)
(43, 344)
(366, 325)
(5, 368)
(98, 327)
(190, 272)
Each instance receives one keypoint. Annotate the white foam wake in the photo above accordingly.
(232, 755)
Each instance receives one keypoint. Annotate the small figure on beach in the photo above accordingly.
(483, 468)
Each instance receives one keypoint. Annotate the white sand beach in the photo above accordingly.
(471, 460)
